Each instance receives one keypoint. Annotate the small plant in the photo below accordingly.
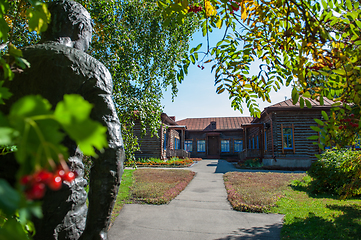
(252, 163)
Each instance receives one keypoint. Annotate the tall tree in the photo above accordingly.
(312, 45)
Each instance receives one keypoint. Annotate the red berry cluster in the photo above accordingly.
(201, 67)
(350, 122)
(194, 9)
(235, 8)
(35, 185)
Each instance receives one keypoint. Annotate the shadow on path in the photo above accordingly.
(268, 232)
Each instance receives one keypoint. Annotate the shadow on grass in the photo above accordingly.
(345, 226)
(269, 232)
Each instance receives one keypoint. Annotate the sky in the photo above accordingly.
(197, 97)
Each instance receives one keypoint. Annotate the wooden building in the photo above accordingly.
(218, 137)
(168, 143)
(277, 138)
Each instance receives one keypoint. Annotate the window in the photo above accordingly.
(188, 145)
(252, 142)
(257, 142)
(249, 143)
(176, 143)
(287, 138)
(224, 145)
(165, 141)
(201, 145)
(238, 145)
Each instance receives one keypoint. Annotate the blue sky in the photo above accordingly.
(197, 95)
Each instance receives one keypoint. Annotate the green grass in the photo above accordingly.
(307, 215)
(153, 186)
(310, 216)
(123, 193)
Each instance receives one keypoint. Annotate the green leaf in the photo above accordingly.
(319, 122)
(73, 114)
(4, 93)
(314, 137)
(325, 116)
(6, 132)
(314, 128)
(13, 230)
(295, 96)
(9, 198)
(38, 18)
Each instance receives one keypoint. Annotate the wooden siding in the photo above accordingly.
(150, 146)
(301, 120)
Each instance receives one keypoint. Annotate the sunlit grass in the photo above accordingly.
(256, 191)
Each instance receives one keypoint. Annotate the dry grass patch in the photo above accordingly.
(159, 186)
(256, 191)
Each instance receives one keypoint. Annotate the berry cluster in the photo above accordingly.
(349, 122)
(194, 9)
(201, 67)
(35, 185)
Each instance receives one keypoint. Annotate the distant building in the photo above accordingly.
(278, 137)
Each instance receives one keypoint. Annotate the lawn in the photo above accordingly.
(154, 186)
(307, 216)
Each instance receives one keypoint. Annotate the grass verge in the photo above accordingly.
(159, 186)
(123, 193)
(307, 215)
(256, 191)
(154, 186)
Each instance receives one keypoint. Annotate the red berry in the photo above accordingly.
(36, 192)
(26, 179)
(356, 125)
(60, 172)
(340, 127)
(43, 176)
(352, 115)
(55, 183)
(69, 176)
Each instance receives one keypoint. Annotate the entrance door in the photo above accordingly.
(213, 146)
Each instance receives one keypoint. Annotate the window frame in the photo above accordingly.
(226, 144)
(204, 146)
(292, 135)
(235, 144)
(188, 143)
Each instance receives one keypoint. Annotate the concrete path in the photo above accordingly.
(201, 211)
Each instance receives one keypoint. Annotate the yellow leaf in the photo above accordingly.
(210, 10)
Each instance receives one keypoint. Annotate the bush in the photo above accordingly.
(337, 172)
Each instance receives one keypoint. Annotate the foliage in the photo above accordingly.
(251, 163)
(256, 191)
(32, 127)
(337, 172)
(317, 216)
(144, 57)
(156, 162)
(312, 45)
(158, 186)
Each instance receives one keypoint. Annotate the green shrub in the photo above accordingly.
(337, 172)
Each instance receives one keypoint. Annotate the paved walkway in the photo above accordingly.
(200, 212)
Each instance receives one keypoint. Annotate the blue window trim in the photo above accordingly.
(176, 143)
(238, 143)
(225, 146)
(165, 141)
(188, 145)
(257, 142)
(201, 144)
(288, 140)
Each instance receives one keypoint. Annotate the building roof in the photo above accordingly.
(288, 104)
(221, 123)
